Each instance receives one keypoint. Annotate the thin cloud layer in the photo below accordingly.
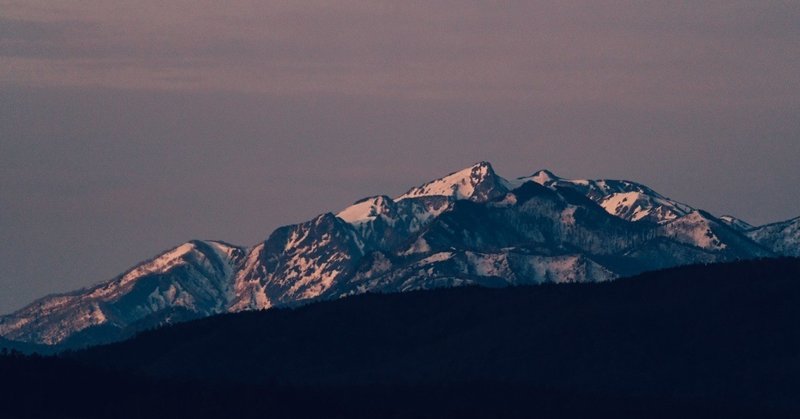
(568, 52)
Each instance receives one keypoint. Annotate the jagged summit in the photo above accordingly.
(622, 198)
(367, 209)
(541, 177)
(471, 227)
(476, 183)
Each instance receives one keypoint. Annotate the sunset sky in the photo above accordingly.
(128, 127)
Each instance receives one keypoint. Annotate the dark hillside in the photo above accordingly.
(717, 333)
(699, 341)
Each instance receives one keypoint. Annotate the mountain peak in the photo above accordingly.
(424, 239)
(477, 183)
(165, 260)
(366, 209)
(543, 176)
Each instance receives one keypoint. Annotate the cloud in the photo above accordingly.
(57, 40)
(585, 51)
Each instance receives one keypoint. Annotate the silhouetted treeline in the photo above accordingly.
(49, 388)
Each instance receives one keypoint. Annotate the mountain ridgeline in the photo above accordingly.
(472, 227)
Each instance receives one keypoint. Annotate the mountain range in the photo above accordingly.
(471, 227)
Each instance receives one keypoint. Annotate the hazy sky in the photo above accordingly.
(130, 127)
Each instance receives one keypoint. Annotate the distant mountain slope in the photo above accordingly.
(782, 238)
(471, 227)
(187, 281)
(722, 335)
(736, 223)
(625, 199)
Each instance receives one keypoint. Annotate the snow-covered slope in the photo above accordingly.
(476, 183)
(625, 199)
(782, 238)
(501, 268)
(297, 263)
(194, 276)
(702, 230)
(383, 223)
(635, 206)
(469, 227)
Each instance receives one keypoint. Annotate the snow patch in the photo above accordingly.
(458, 185)
(365, 210)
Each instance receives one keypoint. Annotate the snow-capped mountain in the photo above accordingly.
(782, 238)
(703, 230)
(477, 183)
(297, 263)
(190, 280)
(469, 227)
(628, 200)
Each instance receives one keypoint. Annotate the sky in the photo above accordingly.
(127, 128)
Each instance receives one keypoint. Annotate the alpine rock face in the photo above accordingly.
(297, 263)
(471, 227)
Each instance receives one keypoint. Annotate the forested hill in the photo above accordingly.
(701, 341)
(720, 332)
